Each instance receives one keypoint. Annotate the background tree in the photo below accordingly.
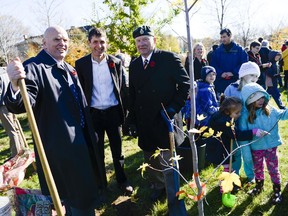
(278, 37)
(48, 12)
(78, 46)
(124, 17)
(222, 13)
(33, 50)
(168, 42)
(11, 32)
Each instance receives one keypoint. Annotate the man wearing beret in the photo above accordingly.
(156, 78)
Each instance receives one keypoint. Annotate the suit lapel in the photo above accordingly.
(112, 69)
(145, 75)
(89, 69)
(74, 77)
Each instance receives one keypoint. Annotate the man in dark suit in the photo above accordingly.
(63, 120)
(156, 77)
(101, 77)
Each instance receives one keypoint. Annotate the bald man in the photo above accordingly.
(63, 120)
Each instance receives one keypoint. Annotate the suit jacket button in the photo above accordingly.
(139, 91)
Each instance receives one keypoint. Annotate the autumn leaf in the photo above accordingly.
(176, 158)
(187, 193)
(203, 128)
(156, 153)
(231, 124)
(227, 180)
(143, 168)
(195, 131)
(219, 133)
(201, 117)
(209, 133)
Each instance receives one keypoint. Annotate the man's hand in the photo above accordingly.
(15, 72)
(227, 75)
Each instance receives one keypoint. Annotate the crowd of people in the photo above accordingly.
(244, 82)
(98, 97)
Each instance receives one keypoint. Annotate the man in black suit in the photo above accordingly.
(101, 77)
(156, 77)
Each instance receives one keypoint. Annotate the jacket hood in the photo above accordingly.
(252, 88)
(272, 55)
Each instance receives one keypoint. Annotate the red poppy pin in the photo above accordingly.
(111, 65)
(152, 64)
(74, 73)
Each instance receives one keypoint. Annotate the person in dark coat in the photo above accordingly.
(199, 55)
(210, 53)
(264, 52)
(254, 56)
(64, 122)
(101, 76)
(272, 78)
(157, 79)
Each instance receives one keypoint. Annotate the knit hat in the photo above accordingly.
(254, 97)
(249, 68)
(206, 70)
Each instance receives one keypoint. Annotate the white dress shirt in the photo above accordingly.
(103, 95)
(148, 58)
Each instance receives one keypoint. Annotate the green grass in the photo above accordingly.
(140, 205)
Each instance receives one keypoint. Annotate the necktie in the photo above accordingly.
(145, 63)
(75, 93)
(76, 96)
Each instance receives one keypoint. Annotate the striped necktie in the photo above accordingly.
(145, 63)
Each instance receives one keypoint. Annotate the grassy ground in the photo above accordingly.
(139, 203)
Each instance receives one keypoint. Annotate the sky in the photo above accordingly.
(263, 15)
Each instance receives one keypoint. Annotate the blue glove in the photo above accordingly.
(170, 112)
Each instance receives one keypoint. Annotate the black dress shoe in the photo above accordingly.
(126, 188)
(157, 194)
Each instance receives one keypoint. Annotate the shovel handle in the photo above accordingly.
(43, 159)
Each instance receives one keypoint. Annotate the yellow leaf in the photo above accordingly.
(156, 153)
(194, 130)
(219, 133)
(143, 168)
(203, 128)
(228, 124)
(176, 158)
(201, 117)
(227, 180)
(209, 133)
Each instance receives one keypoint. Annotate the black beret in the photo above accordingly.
(143, 30)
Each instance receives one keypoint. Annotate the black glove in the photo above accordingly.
(133, 131)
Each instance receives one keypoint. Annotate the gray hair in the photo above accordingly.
(265, 43)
